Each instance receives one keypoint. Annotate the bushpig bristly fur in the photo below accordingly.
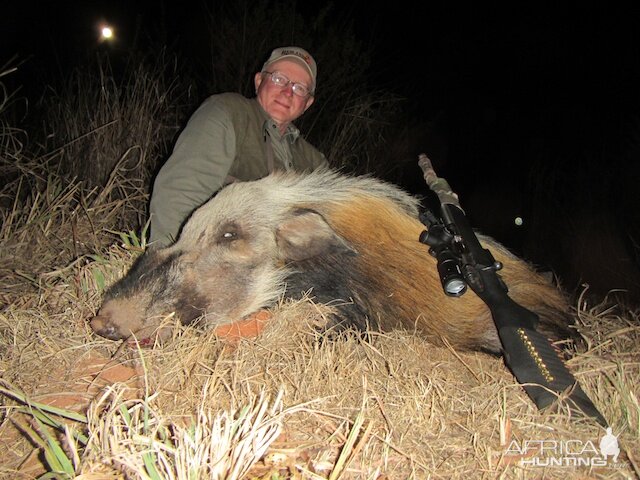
(350, 241)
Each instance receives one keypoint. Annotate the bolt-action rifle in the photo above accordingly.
(461, 262)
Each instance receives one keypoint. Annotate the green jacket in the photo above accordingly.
(229, 138)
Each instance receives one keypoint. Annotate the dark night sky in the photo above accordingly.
(443, 55)
(511, 84)
(516, 53)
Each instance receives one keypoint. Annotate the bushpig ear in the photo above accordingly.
(306, 234)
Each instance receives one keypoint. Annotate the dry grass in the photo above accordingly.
(100, 121)
(288, 404)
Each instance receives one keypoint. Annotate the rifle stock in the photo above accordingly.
(529, 355)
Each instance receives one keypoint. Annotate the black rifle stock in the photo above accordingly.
(463, 261)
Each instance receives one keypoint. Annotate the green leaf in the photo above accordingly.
(22, 398)
(126, 415)
(134, 238)
(98, 276)
(33, 436)
(97, 258)
(150, 465)
(54, 453)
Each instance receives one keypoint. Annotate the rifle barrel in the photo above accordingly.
(528, 354)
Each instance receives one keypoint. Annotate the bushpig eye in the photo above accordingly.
(229, 232)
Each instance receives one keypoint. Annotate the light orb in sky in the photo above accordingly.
(106, 33)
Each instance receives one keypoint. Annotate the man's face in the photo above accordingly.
(282, 105)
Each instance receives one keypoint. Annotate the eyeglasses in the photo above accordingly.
(281, 80)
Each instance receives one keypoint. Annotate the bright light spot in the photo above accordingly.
(518, 221)
(106, 33)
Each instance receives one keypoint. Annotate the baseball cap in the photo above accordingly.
(298, 55)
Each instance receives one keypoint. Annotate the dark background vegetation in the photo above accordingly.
(527, 111)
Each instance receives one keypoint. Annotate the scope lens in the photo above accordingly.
(455, 287)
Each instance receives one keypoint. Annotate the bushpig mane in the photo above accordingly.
(284, 190)
(330, 186)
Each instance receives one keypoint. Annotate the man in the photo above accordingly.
(231, 138)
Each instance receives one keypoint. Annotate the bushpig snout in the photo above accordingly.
(103, 327)
(119, 318)
(126, 310)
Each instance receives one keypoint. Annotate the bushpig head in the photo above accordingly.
(232, 258)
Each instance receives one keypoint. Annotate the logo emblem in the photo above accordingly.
(609, 446)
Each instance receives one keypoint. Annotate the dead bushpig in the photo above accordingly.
(351, 241)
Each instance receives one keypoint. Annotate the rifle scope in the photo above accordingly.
(448, 263)
(451, 277)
